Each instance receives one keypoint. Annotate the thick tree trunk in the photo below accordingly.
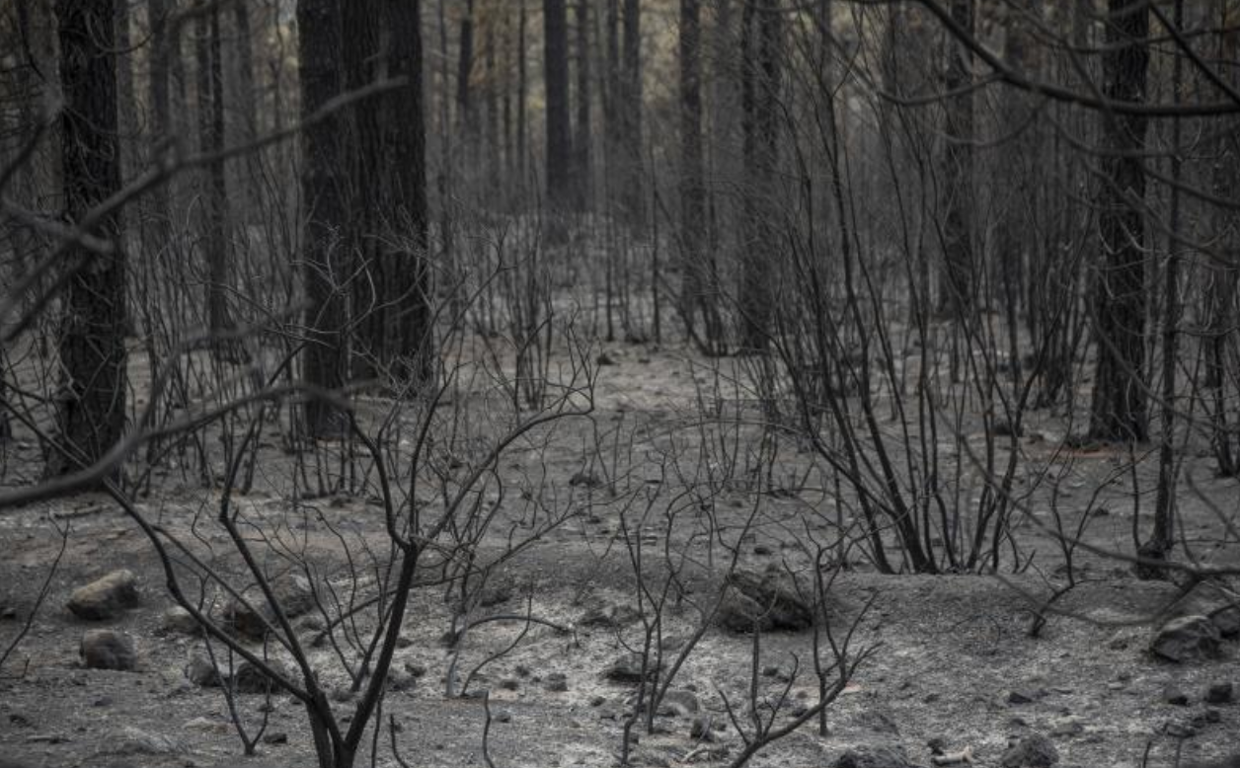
(360, 20)
(408, 298)
(1119, 405)
(324, 260)
(91, 401)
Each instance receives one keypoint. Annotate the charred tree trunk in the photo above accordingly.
(91, 345)
(1118, 409)
(761, 46)
(696, 269)
(408, 289)
(957, 291)
(629, 112)
(359, 26)
(559, 132)
(581, 143)
(215, 214)
(324, 260)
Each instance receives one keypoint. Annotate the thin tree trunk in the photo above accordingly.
(957, 289)
(559, 135)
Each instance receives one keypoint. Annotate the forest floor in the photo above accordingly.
(954, 658)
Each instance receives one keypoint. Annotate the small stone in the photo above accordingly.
(202, 673)
(1227, 620)
(1032, 751)
(524, 671)
(679, 704)
(250, 679)
(700, 729)
(276, 737)
(495, 594)
(628, 669)
(107, 649)
(1219, 693)
(1179, 730)
(1212, 715)
(873, 757)
(133, 741)
(1026, 696)
(557, 686)
(597, 701)
(502, 716)
(105, 598)
(762, 550)
(415, 669)
(178, 621)
(1174, 696)
(509, 684)
(1067, 729)
(1186, 639)
(609, 616)
(937, 745)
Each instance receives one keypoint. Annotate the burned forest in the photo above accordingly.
(609, 383)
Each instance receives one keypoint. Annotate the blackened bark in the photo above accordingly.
(1119, 405)
(559, 135)
(324, 260)
(91, 400)
(216, 213)
(411, 349)
(629, 113)
(581, 143)
(698, 279)
(360, 20)
(956, 288)
(761, 48)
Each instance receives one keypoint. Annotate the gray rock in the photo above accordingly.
(770, 600)
(175, 620)
(628, 669)
(292, 592)
(700, 728)
(1227, 620)
(873, 757)
(1173, 695)
(1186, 639)
(1032, 751)
(609, 616)
(1220, 693)
(249, 679)
(134, 741)
(107, 649)
(105, 598)
(679, 704)
(202, 673)
(1025, 696)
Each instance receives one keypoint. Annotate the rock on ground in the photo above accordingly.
(1187, 638)
(134, 741)
(628, 669)
(292, 592)
(105, 598)
(770, 600)
(1033, 751)
(178, 621)
(106, 649)
(873, 757)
